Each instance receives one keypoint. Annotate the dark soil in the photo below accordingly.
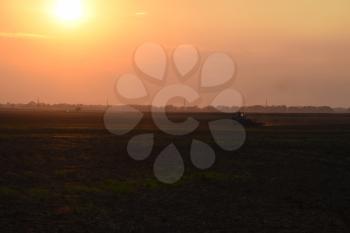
(63, 172)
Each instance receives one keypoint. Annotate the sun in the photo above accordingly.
(69, 11)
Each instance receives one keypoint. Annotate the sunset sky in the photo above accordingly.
(291, 52)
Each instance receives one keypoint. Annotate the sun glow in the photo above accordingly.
(69, 11)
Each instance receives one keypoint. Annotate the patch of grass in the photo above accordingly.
(61, 173)
(119, 187)
(151, 184)
(9, 193)
(39, 194)
(81, 189)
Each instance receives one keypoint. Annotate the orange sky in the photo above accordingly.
(293, 52)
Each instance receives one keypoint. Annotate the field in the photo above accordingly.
(63, 172)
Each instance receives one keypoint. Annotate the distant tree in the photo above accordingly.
(31, 104)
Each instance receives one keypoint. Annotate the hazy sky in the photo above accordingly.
(291, 52)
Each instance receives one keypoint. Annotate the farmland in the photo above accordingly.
(64, 172)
